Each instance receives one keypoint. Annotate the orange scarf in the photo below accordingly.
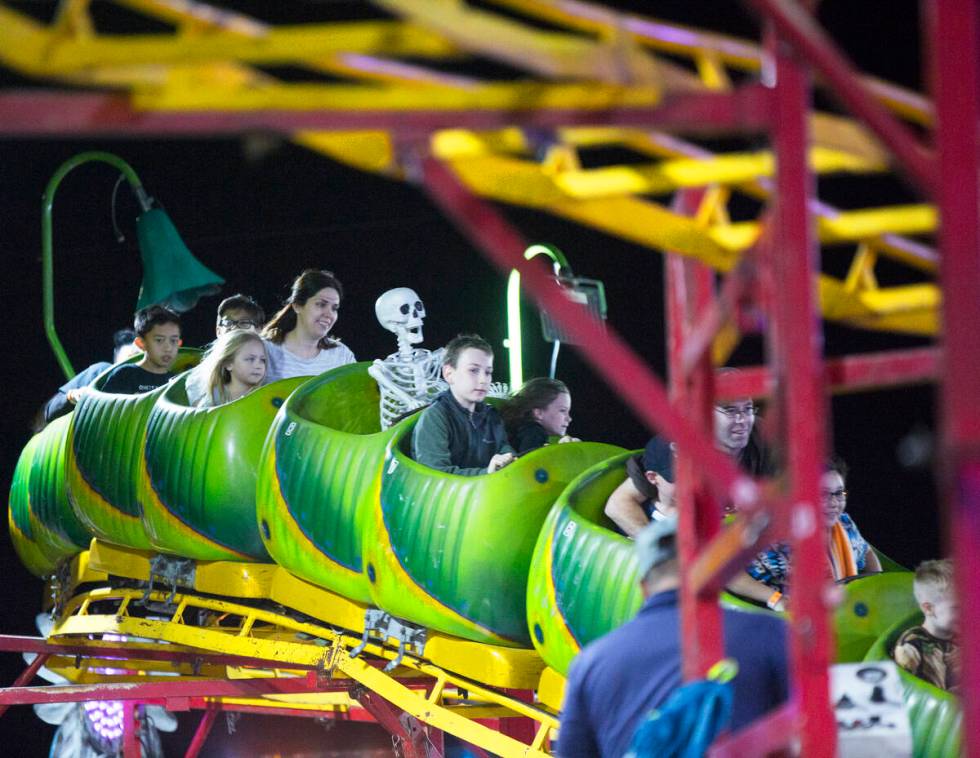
(841, 556)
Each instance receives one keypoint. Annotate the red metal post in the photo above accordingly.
(796, 347)
(410, 733)
(25, 676)
(520, 727)
(201, 733)
(797, 25)
(954, 27)
(131, 746)
(688, 291)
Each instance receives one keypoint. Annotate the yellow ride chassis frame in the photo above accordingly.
(255, 616)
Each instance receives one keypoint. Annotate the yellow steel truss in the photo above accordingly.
(593, 59)
(451, 703)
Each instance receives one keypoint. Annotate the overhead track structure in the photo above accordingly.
(600, 81)
(409, 96)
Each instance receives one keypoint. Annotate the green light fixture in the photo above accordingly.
(172, 276)
(515, 333)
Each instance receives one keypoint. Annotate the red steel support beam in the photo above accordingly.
(26, 676)
(33, 113)
(851, 373)
(520, 728)
(22, 644)
(131, 745)
(600, 345)
(796, 346)
(954, 27)
(390, 716)
(733, 548)
(160, 691)
(720, 311)
(201, 733)
(797, 25)
(688, 288)
(761, 737)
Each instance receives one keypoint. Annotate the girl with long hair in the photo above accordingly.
(541, 409)
(234, 365)
(296, 337)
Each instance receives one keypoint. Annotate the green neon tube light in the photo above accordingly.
(515, 342)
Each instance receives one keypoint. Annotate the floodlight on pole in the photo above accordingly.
(172, 276)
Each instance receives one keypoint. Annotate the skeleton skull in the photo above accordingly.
(401, 311)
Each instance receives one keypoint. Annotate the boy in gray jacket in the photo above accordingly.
(459, 433)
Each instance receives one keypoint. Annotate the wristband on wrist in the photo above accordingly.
(774, 599)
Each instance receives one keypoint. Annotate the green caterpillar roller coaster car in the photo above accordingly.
(300, 473)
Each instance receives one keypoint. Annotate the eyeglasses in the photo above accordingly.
(245, 323)
(840, 494)
(733, 411)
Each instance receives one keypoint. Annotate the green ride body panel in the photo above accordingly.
(453, 552)
(936, 716)
(48, 495)
(872, 604)
(583, 581)
(105, 460)
(198, 488)
(39, 556)
(19, 501)
(320, 473)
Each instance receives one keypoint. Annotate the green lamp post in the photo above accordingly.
(172, 276)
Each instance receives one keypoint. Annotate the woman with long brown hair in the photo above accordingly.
(296, 336)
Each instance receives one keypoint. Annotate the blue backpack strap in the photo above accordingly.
(690, 720)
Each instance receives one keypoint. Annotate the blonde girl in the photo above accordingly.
(235, 364)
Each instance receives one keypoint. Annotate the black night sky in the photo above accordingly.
(258, 209)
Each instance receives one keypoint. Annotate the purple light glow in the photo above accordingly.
(105, 717)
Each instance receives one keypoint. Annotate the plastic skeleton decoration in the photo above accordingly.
(411, 377)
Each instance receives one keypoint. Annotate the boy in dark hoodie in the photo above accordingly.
(459, 433)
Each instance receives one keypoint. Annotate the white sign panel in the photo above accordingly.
(872, 719)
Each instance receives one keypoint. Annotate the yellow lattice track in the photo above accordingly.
(298, 626)
(593, 60)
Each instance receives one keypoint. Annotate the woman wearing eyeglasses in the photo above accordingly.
(849, 555)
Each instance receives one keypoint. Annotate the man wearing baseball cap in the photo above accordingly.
(616, 680)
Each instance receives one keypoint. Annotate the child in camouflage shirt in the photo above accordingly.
(931, 651)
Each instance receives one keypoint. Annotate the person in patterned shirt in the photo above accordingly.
(848, 553)
(931, 651)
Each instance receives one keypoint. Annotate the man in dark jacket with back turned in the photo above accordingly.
(616, 680)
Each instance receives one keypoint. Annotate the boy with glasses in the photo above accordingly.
(239, 312)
